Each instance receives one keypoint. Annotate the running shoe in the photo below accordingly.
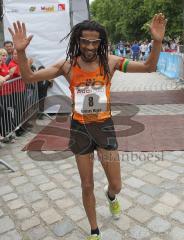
(94, 237)
(114, 206)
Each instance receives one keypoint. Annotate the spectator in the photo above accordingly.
(8, 45)
(135, 51)
(14, 64)
(173, 46)
(128, 50)
(150, 46)
(6, 103)
(4, 70)
(143, 49)
(18, 93)
(121, 47)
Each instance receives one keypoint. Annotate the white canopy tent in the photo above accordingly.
(49, 21)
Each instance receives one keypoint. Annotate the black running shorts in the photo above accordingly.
(85, 138)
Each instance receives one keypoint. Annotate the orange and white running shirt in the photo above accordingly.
(90, 93)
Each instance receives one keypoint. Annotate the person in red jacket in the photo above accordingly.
(5, 96)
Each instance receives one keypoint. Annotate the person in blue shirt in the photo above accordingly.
(135, 51)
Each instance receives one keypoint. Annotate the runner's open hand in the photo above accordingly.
(157, 27)
(19, 36)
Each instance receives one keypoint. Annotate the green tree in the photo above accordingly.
(128, 19)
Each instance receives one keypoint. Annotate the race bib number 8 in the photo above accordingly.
(90, 100)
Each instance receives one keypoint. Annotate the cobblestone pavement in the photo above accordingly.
(41, 200)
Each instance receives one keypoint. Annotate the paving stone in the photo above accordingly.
(15, 204)
(151, 167)
(159, 225)
(139, 214)
(156, 238)
(151, 190)
(153, 179)
(111, 234)
(139, 173)
(30, 223)
(37, 233)
(138, 232)
(47, 166)
(49, 238)
(32, 196)
(178, 216)
(28, 166)
(50, 216)
(76, 192)
(134, 182)
(170, 185)
(65, 166)
(145, 200)
(125, 203)
(25, 188)
(176, 233)
(6, 224)
(164, 163)
(169, 199)
(65, 203)
(68, 184)
(23, 213)
(62, 228)
(75, 213)
(162, 209)
(129, 192)
(181, 206)
(52, 171)
(34, 172)
(40, 205)
(76, 178)
(10, 196)
(5, 189)
(180, 161)
(19, 180)
(177, 169)
(168, 174)
(74, 236)
(40, 179)
(103, 211)
(59, 178)
(11, 235)
(182, 180)
(56, 194)
(123, 223)
(47, 186)
(1, 213)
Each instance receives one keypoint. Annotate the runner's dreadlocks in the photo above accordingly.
(73, 49)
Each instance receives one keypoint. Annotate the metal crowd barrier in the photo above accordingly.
(18, 103)
(170, 65)
(182, 67)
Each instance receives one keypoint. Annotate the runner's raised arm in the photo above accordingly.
(21, 41)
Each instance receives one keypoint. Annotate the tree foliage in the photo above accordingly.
(128, 19)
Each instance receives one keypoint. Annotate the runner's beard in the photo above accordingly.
(89, 56)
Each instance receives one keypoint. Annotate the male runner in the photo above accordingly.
(89, 69)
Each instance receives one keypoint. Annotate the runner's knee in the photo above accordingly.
(87, 187)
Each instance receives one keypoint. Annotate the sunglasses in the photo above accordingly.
(94, 42)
